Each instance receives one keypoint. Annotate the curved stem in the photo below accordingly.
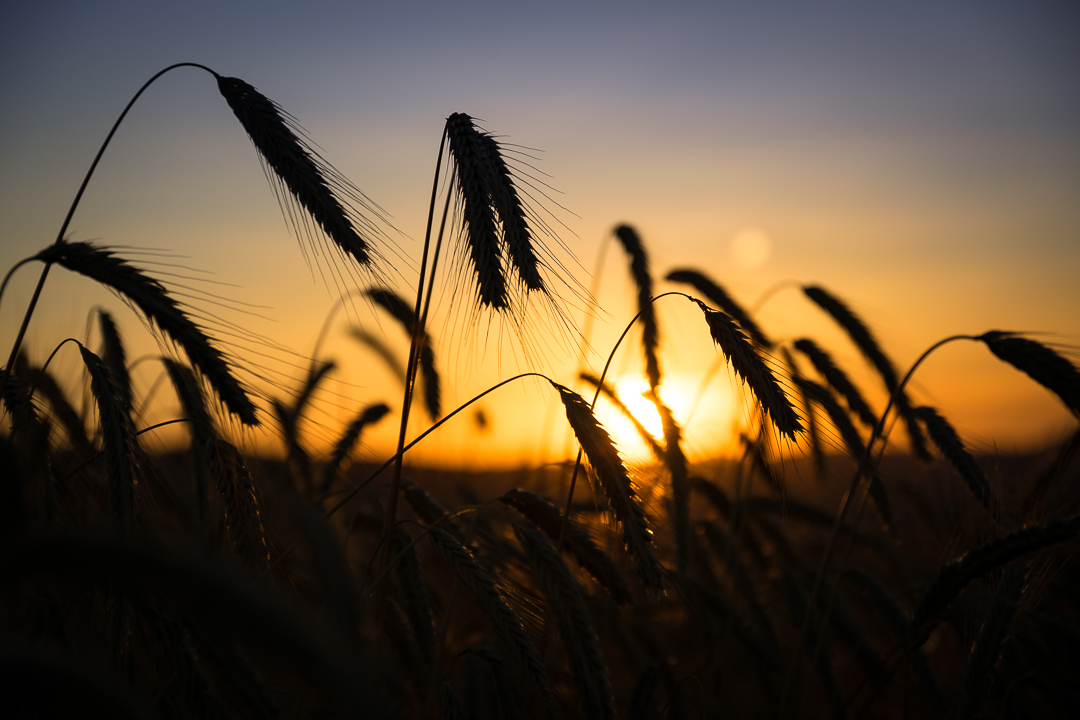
(375, 473)
(71, 212)
(592, 405)
(3, 286)
(770, 291)
(864, 462)
(410, 371)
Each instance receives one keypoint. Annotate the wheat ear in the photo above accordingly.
(200, 426)
(955, 576)
(396, 306)
(838, 380)
(567, 604)
(1041, 364)
(299, 169)
(719, 297)
(852, 441)
(368, 416)
(868, 345)
(479, 584)
(576, 541)
(157, 305)
(639, 270)
(950, 445)
(119, 445)
(749, 366)
(609, 392)
(986, 652)
(247, 537)
(115, 357)
(615, 480)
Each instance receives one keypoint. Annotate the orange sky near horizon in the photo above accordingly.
(923, 164)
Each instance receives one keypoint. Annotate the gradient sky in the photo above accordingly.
(921, 161)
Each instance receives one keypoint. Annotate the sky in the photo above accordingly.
(921, 161)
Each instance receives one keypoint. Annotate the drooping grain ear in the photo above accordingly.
(299, 170)
(396, 306)
(200, 428)
(990, 556)
(368, 416)
(952, 447)
(853, 442)
(481, 587)
(864, 340)
(639, 271)
(749, 366)
(838, 380)
(240, 498)
(719, 297)
(119, 444)
(566, 603)
(151, 297)
(115, 357)
(614, 479)
(548, 518)
(473, 169)
(1040, 363)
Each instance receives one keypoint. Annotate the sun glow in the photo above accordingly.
(716, 414)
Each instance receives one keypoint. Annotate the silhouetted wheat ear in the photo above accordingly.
(118, 443)
(853, 442)
(61, 407)
(475, 179)
(950, 445)
(396, 306)
(200, 427)
(451, 708)
(24, 413)
(1043, 365)
(414, 593)
(429, 511)
(368, 416)
(864, 340)
(719, 297)
(114, 357)
(566, 602)
(479, 584)
(1001, 551)
(838, 380)
(677, 465)
(986, 652)
(577, 541)
(169, 315)
(614, 479)
(639, 270)
(795, 599)
(513, 215)
(749, 366)
(309, 179)
(247, 536)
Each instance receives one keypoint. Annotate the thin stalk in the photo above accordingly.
(71, 212)
(410, 372)
(846, 503)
